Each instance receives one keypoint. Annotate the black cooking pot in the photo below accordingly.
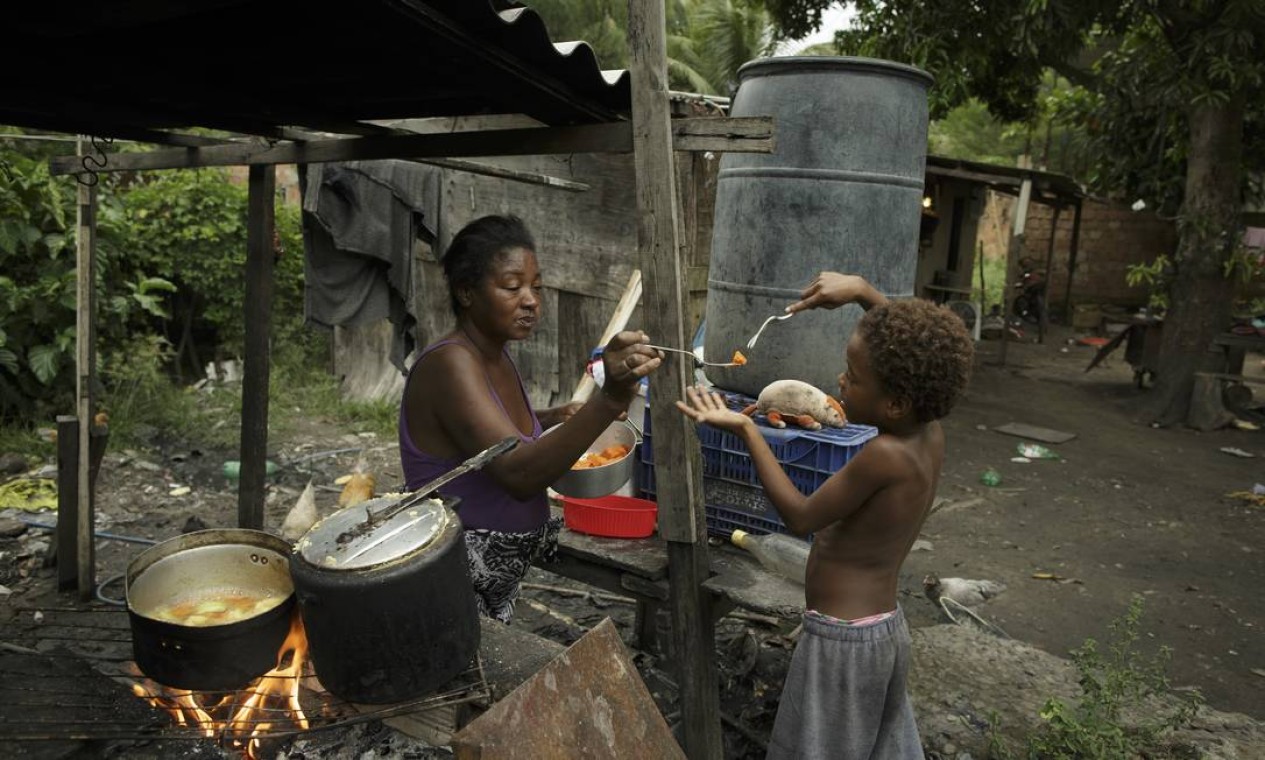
(175, 590)
(388, 606)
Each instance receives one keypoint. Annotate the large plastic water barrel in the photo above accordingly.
(842, 191)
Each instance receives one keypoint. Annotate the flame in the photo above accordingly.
(239, 723)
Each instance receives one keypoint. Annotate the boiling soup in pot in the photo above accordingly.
(216, 607)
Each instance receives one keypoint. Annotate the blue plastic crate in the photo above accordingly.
(732, 492)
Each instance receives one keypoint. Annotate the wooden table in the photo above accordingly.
(638, 568)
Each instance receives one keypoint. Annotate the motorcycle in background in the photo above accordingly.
(1030, 304)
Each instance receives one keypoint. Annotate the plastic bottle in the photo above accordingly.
(233, 468)
(783, 555)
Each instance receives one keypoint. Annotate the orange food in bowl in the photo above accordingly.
(599, 458)
(738, 359)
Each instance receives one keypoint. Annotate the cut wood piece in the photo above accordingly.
(1024, 430)
(623, 312)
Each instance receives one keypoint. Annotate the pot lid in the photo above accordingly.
(343, 541)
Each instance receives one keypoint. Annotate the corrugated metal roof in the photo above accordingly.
(255, 66)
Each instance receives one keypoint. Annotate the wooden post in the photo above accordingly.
(1071, 261)
(1043, 313)
(67, 546)
(258, 312)
(85, 372)
(679, 468)
(1012, 252)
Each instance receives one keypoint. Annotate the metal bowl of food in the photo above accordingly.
(605, 467)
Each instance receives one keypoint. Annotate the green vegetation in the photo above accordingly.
(707, 40)
(1125, 710)
(170, 255)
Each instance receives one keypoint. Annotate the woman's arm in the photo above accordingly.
(556, 415)
(472, 420)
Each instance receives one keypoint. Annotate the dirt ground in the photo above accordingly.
(1127, 509)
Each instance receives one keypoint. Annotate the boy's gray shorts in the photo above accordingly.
(844, 696)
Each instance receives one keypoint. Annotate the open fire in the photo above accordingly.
(239, 719)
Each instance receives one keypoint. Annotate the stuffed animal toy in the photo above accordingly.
(798, 402)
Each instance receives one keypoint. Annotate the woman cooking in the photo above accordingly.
(464, 394)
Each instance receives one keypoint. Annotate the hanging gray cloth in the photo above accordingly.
(360, 221)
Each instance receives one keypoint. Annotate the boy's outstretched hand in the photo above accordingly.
(830, 290)
(709, 408)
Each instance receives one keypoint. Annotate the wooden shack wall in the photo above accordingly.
(587, 247)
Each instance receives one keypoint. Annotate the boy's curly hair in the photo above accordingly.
(919, 351)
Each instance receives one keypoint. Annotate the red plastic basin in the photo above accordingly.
(610, 516)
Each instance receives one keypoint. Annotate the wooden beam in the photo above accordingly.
(1043, 313)
(260, 254)
(67, 545)
(85, 372)
(1073, 250)
(679, 465)
(1012, 253)
(748, 134)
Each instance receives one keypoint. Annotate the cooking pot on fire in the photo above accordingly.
(395, 621)
(385, 593)
(209, 610)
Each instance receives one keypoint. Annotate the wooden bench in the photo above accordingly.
(638, 568)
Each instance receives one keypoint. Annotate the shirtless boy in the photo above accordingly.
(907, 363)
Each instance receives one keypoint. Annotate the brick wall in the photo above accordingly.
(1113, 237)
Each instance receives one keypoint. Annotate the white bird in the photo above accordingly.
(965, 592)
(302, 515)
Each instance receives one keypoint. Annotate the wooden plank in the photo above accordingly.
(488, 170)
(1044, 313)
(735, 134)
(85, 373)
(430, 298)
(694, 649)
(258, 321)
(642, 557)
(511, 655)
(741, 580)
(681, 516)
(748, 134)
(619, 319)
(1036, 433)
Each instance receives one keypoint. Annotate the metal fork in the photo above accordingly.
(697, 361)
(775, 317)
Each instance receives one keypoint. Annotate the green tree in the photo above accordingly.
(1171, 97)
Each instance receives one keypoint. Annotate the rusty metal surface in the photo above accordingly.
(589, 702)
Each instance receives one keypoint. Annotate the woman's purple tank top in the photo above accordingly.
(484, 503)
